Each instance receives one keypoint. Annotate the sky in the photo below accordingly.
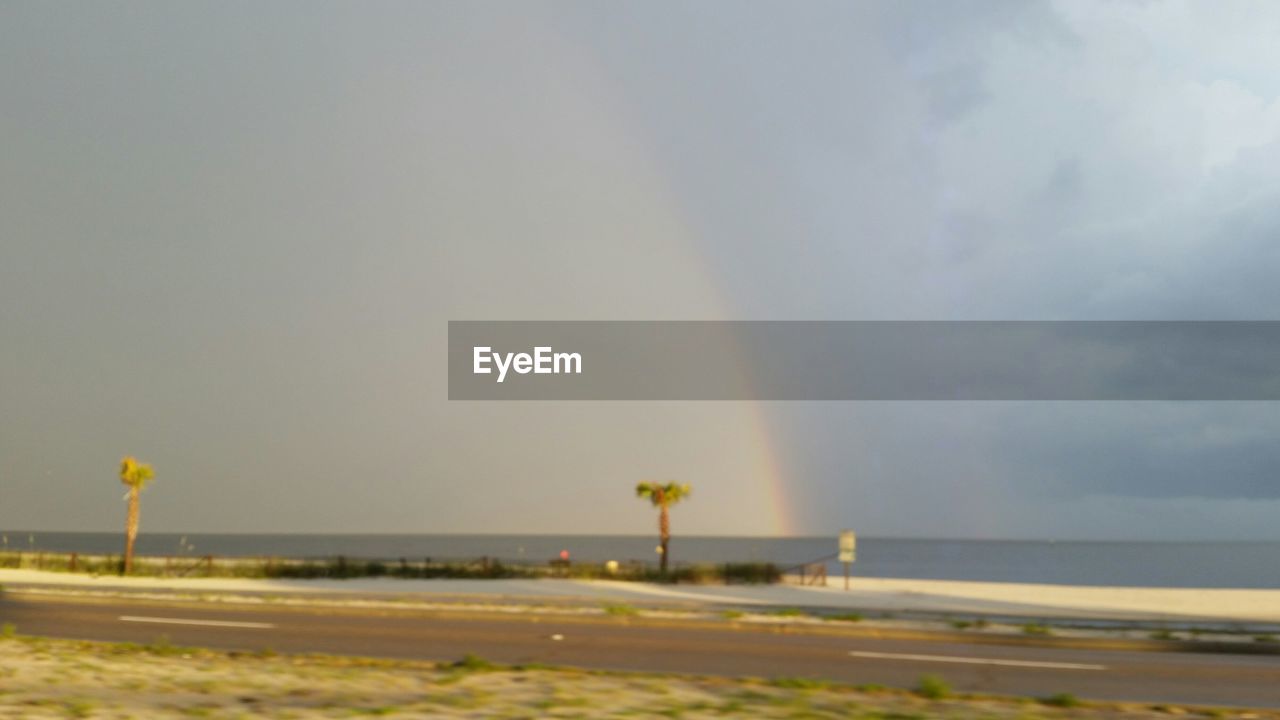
(232, 235)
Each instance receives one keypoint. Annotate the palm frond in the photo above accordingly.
(134, 473)
(663, 493)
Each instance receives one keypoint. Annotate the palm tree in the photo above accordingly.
(135, 476)
(663, 496)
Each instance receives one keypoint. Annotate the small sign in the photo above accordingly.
(848, 546)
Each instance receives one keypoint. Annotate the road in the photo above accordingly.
(616, 644)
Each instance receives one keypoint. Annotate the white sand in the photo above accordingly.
(935, 596)
(1058, 601)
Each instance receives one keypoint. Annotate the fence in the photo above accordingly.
(813, 572)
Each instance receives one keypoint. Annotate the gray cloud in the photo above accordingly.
(231, 235)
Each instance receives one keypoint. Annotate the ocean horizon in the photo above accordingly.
(1208, 564)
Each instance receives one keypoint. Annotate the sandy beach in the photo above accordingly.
(866, 594)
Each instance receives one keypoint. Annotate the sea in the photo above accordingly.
(1132, 564)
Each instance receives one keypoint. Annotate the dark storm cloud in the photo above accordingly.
(1134, 464)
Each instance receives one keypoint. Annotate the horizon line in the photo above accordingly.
(832, 536)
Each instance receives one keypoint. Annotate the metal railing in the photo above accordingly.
(813, 572)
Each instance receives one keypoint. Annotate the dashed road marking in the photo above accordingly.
(191, 621)
(977, 661)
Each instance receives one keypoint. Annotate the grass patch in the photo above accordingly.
(79, 708)
(844, 617)
(1061, 700)
(933, 687)
(731, 614)
(163, 647)
(787, 612)
(731, 707)
(1036, 629)
(620, 610)
(8, 631)
(799, 683)
(473, 663)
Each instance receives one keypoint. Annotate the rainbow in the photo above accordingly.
(593, 99)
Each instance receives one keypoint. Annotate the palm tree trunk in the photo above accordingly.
(131, 529)
(664, 537)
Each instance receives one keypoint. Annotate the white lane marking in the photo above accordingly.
(185, 621)
(978, 661)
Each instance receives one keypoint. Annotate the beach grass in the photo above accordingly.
(47, 678)
(344, 568)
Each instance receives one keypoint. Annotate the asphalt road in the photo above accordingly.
(1157, 677)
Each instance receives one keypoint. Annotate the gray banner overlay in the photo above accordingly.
(858, 360)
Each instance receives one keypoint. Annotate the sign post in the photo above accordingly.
(848, 552)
